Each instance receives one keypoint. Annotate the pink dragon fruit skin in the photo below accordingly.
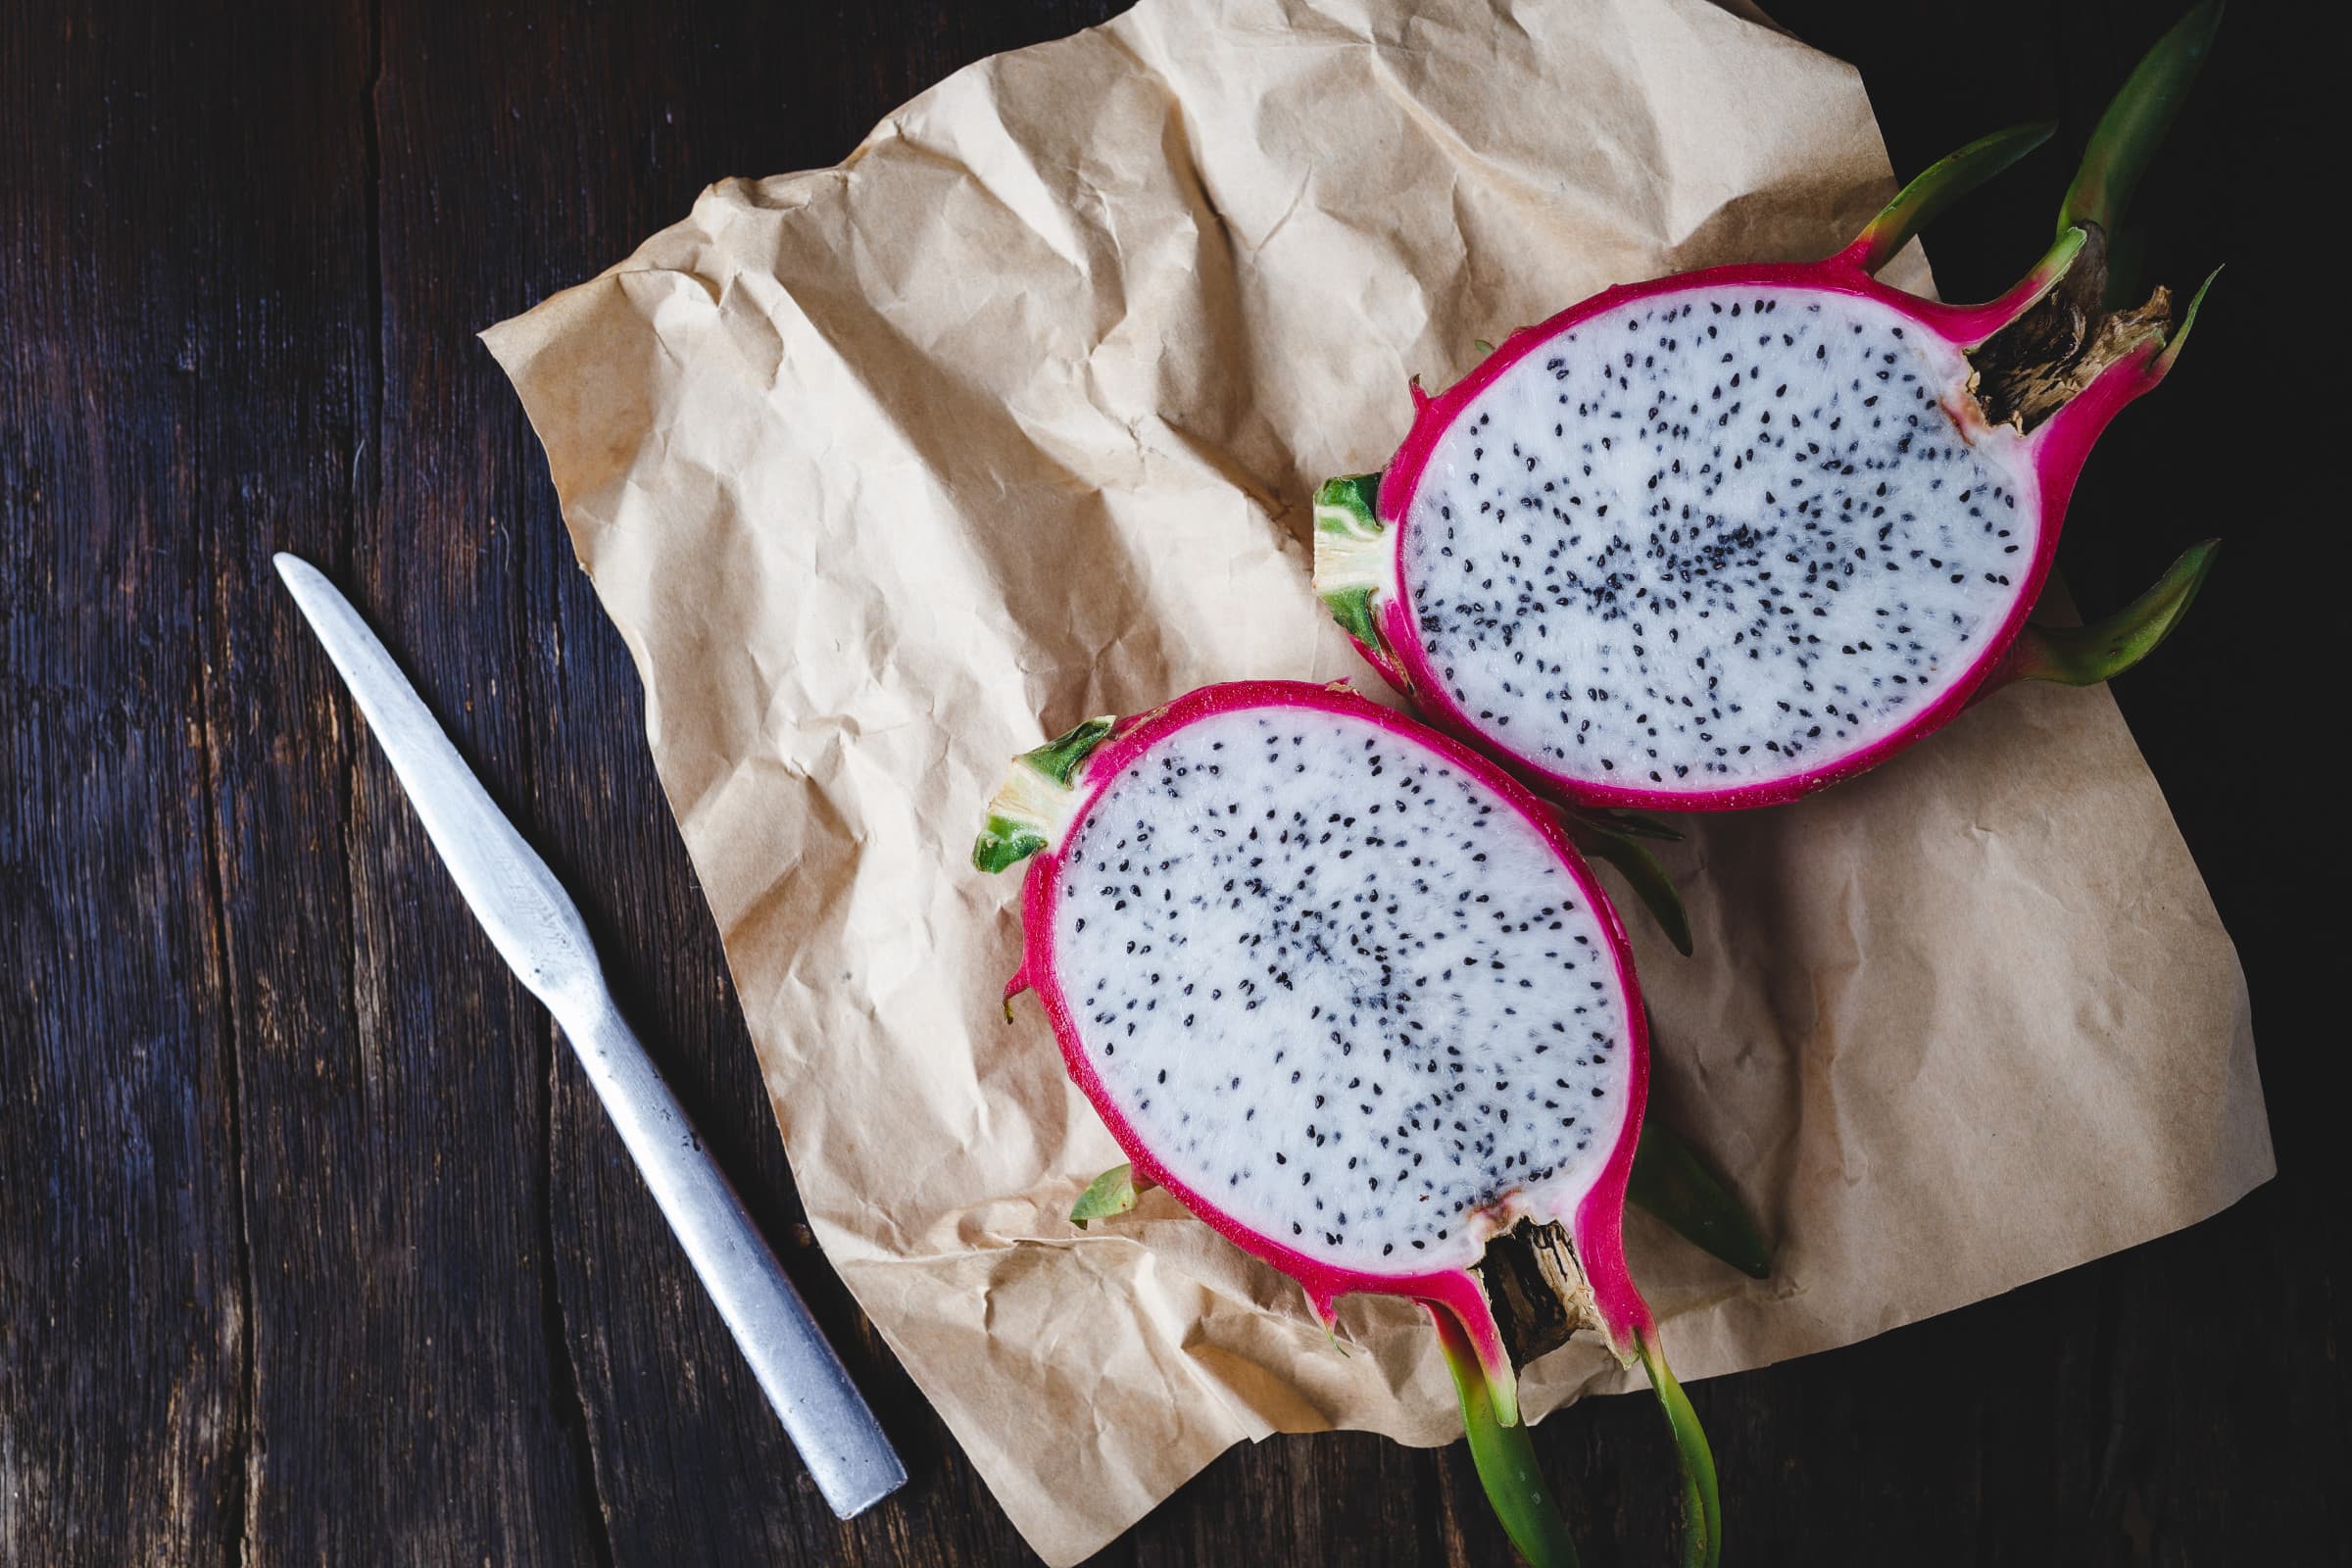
(1596, 1219)
(1695, 674)
(1046, 813)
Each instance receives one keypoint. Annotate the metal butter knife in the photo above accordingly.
(537, 929)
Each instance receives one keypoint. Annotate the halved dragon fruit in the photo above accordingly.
(1344, 989)
(1722, 539)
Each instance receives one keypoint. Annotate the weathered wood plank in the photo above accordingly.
(122, 1296)
(411, 1400)
(202, 294)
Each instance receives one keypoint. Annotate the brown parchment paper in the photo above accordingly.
(887, 470)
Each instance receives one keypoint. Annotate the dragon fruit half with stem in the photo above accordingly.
(1344, 986)
(1723, 539)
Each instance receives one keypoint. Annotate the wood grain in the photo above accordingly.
(314, 1247)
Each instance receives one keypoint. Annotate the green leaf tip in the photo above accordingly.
(2188, 319)
(1504, 1453)
(2128, 135)
(1703, 1498)
(1033, 803)
(1937, 186)
(1619, 843)
(1353, 558)
(1349, 504)
(1059, 757)
(2086, 655)
(1642, 825)
(1004, 843)
(1673, 1181)
(1111, 1192)
(1351, 608)
(1652, 886)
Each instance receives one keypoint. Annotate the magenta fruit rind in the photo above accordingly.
(2056, 452)
(1597, 1223)
(2037, 452)
(1045, 809)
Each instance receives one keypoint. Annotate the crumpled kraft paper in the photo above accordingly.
(888, 471)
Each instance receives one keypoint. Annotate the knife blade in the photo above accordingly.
(537, 929)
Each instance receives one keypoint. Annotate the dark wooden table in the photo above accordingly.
(314, 1247)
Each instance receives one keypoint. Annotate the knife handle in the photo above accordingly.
(828, 1421)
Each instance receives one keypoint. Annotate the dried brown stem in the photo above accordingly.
(2032, 368)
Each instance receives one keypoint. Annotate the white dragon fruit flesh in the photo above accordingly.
(1722, 539)
(1344, 989)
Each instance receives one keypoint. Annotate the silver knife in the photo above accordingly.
(537, 929)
